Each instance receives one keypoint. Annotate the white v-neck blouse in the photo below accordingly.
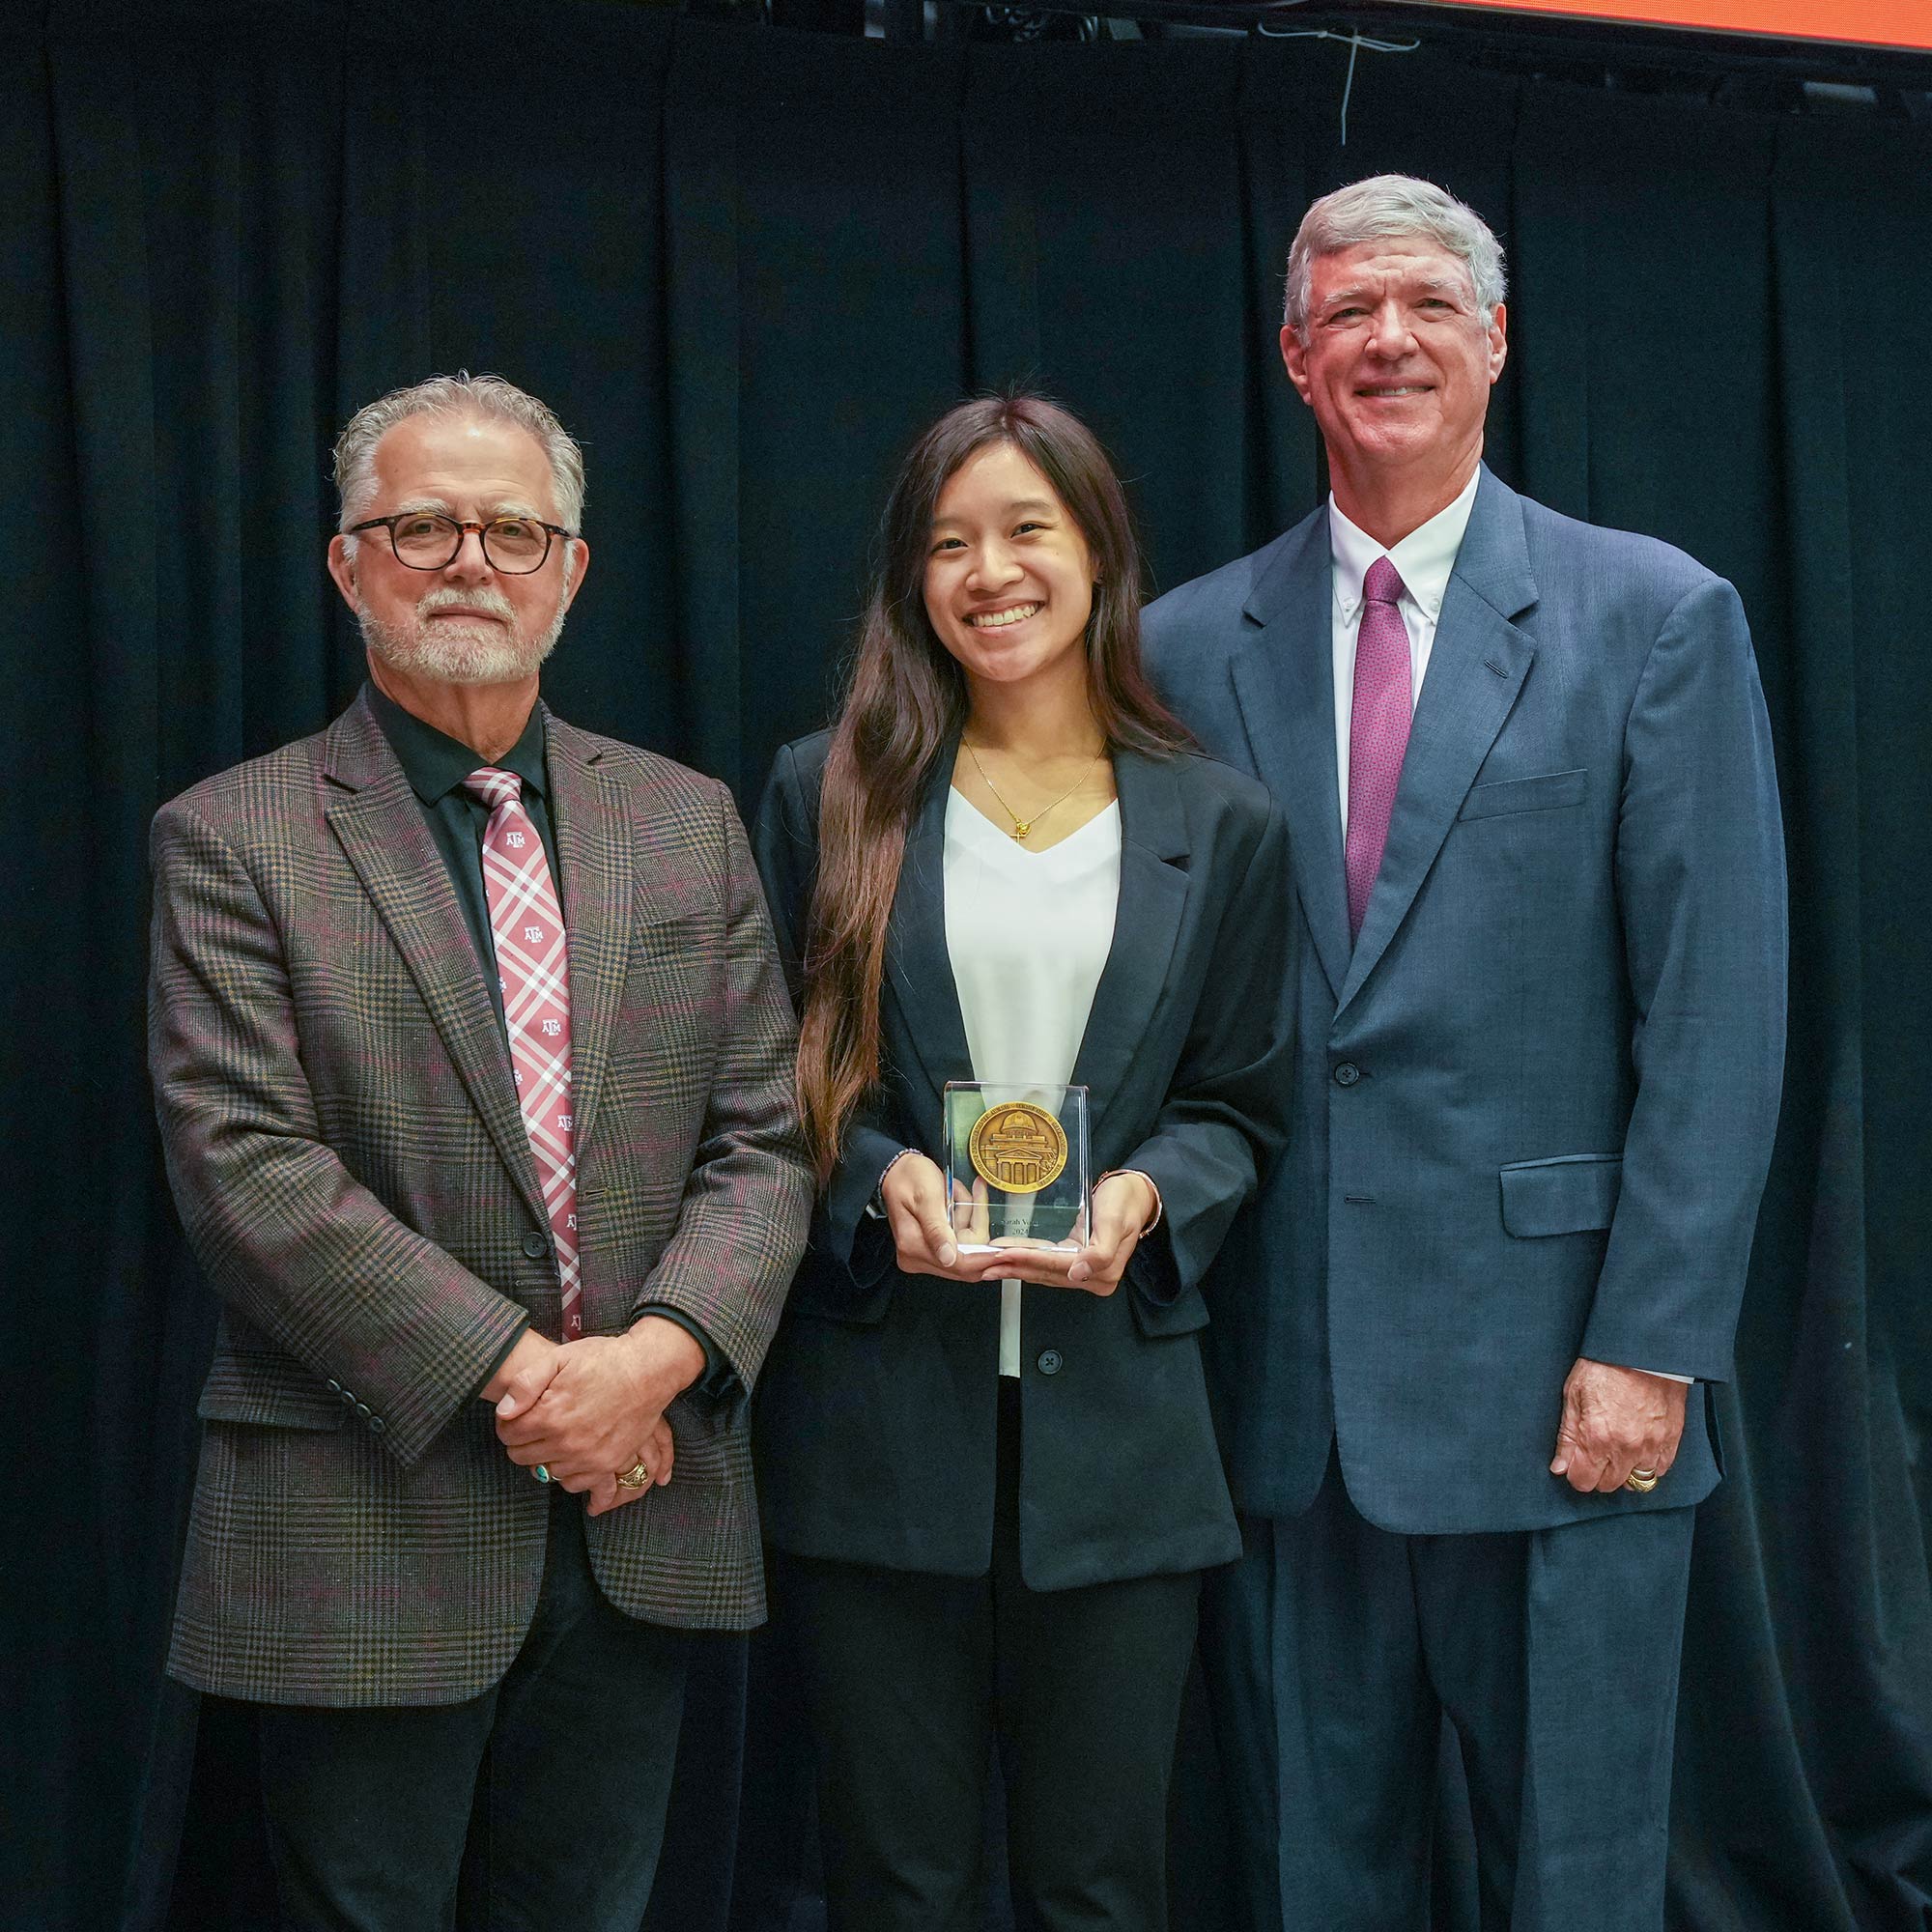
(1028, 935)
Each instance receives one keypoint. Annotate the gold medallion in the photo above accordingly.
(1018, 1146)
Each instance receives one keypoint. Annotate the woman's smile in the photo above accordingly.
(1009, 576)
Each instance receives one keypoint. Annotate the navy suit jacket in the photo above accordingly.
(875, 1428)
(1534, 1103)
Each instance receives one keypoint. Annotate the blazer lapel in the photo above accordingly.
(918, 966)
(1154, 893)
(595, 846)
(1285, 684)
(1476, 668)
(375, 816)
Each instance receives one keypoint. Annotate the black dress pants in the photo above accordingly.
(912, 1679)
(538, 1806)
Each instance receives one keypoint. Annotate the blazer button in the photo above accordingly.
(376, 1425)
(535, 1246)
(1049, 1362)
(334, 1386)
(362, 1409)
(348, 1397)
(1348, 1073)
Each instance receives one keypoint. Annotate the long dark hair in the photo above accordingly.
(907, 699)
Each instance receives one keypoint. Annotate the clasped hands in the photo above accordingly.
(591, 1408)
(914, 1192)
(1615, 1420)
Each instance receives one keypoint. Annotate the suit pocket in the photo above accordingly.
(827, 1290)
(1569, 1194)
(271, 1390)
(1542, 793)
(1182, 1316)
(827, 1300)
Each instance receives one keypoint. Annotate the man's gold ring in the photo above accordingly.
(1642, 1481)
(636, 1477)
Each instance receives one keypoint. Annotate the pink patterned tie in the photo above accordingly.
(532, 966)
(1377, 731)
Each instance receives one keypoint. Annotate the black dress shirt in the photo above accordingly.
(436, 767)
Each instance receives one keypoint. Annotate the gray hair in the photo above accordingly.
(460, 394)
(1384, 206)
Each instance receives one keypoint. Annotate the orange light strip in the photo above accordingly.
(1878, 23)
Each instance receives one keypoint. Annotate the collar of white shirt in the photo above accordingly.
(1423, 559)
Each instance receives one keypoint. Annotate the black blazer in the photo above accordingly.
(878, 1406)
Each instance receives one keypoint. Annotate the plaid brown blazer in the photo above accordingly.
(344, 1142)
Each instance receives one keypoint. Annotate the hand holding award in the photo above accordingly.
(914, 1194)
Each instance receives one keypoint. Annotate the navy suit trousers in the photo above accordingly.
(1334, 1650)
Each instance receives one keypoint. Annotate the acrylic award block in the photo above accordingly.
(1015, 1163)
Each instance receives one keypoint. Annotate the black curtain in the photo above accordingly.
(746, 267)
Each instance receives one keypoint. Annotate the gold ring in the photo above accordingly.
(636, 1477)
(1642, 1481)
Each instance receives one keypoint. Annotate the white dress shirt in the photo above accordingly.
(1424, 561)
(1038, 921)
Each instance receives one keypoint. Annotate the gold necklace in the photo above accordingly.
(1022, 826)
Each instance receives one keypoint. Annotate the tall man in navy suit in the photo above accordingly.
(1539, 911)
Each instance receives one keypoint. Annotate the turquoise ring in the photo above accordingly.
(541, 1472)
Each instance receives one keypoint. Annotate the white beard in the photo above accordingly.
(457, 652)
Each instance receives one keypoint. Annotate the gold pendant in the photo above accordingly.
(1020, 831)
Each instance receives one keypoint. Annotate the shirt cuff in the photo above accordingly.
(720, 1378)
(1669, 1375)
(489, 1374)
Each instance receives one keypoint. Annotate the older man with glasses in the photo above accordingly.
(473, 1065)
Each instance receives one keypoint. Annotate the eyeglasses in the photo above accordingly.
(424, 540)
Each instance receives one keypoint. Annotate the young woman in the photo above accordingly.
(992, 1478)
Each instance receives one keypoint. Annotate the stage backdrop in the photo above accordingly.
(746, 268)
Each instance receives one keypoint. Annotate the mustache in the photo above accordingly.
(445, 597)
